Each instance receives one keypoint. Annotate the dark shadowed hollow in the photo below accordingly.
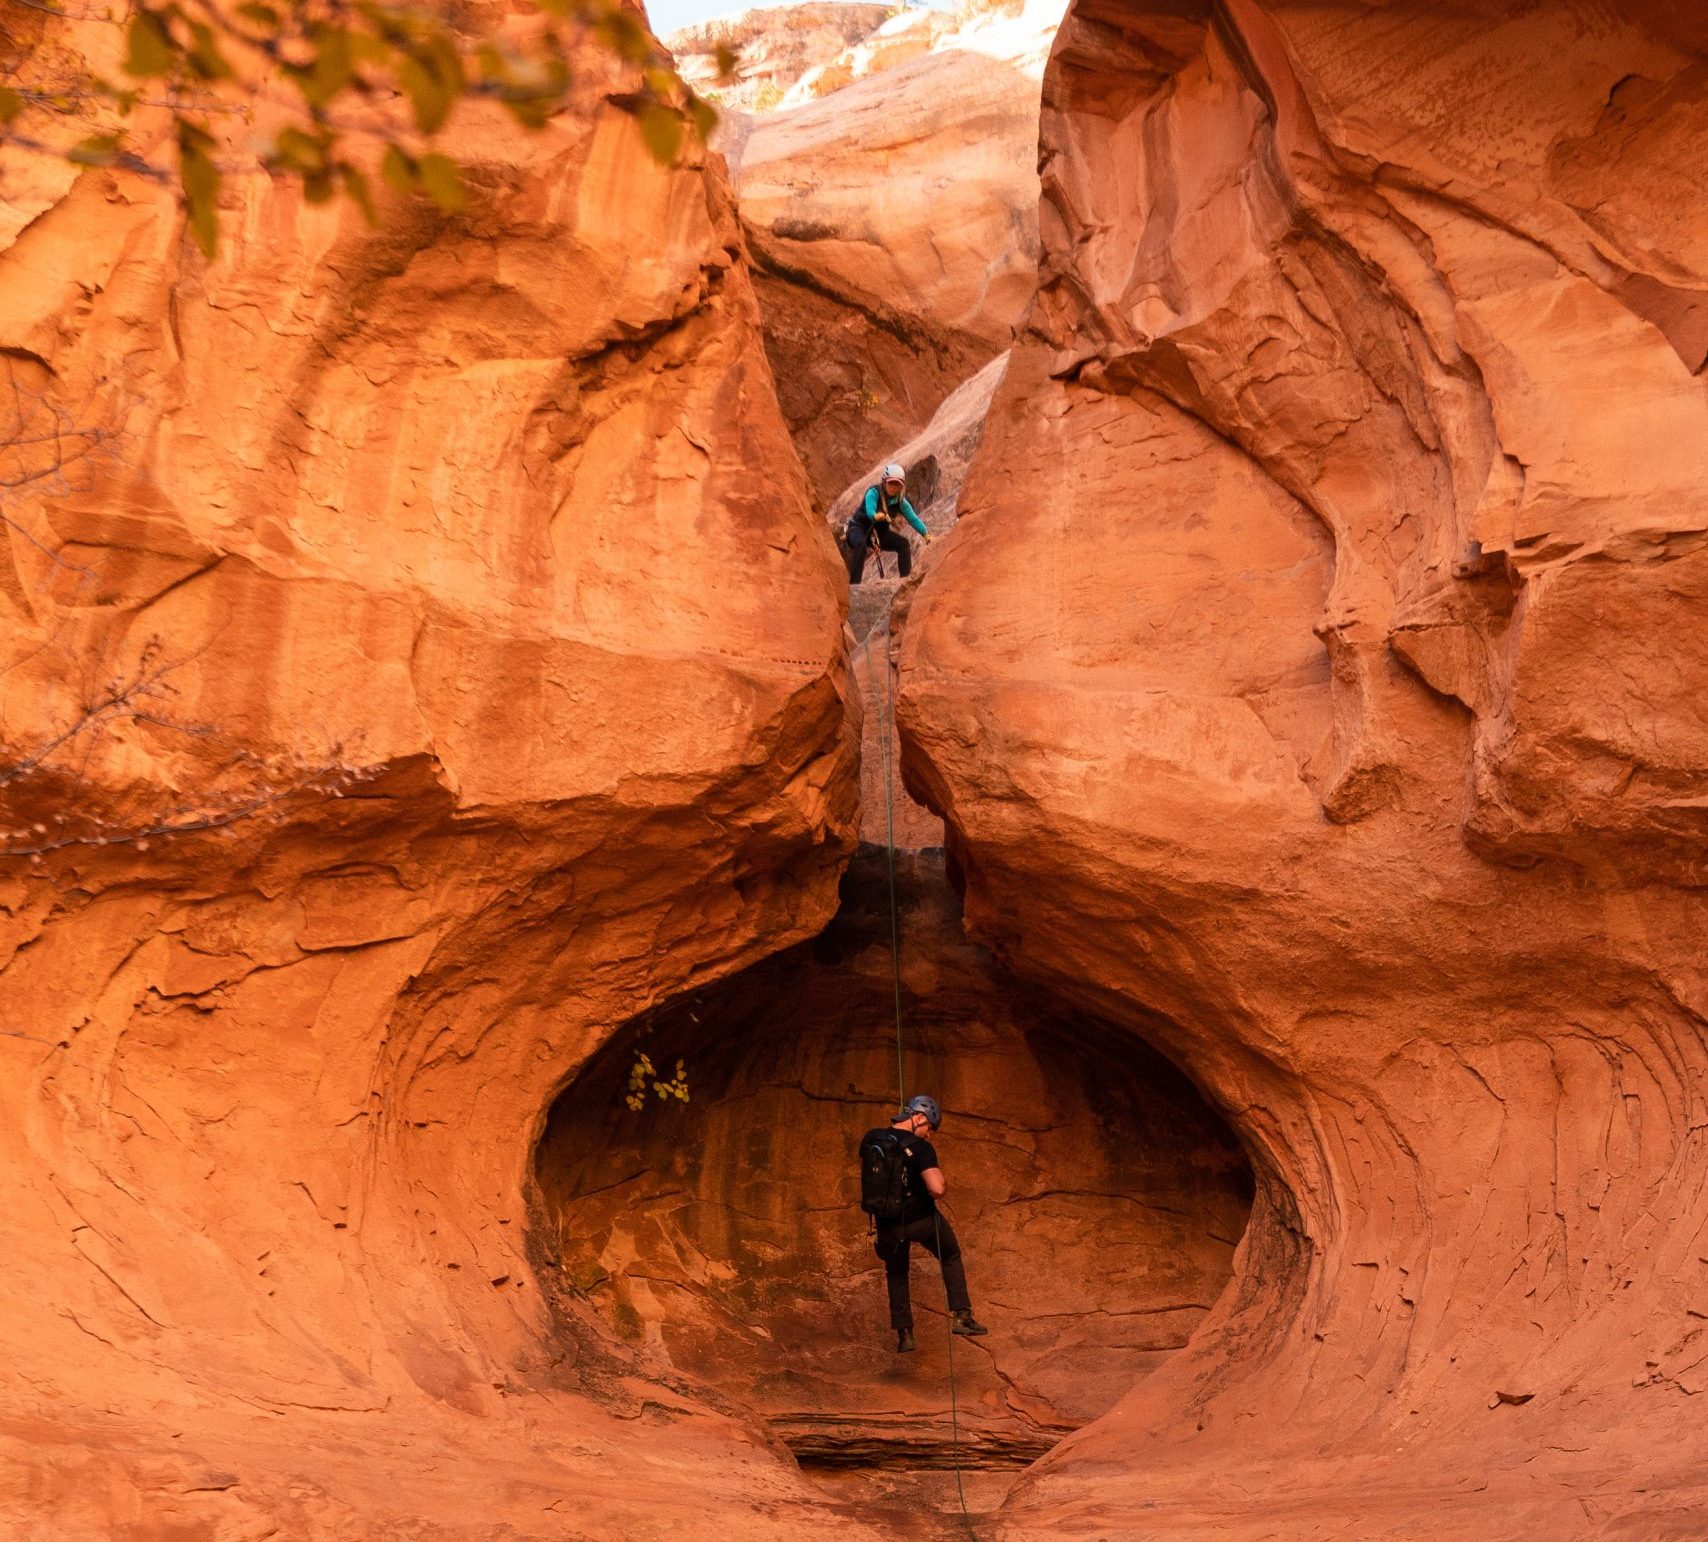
(1098, 1198)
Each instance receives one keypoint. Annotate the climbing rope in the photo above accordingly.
(886, 744)
(886, 729)
(954, 1401)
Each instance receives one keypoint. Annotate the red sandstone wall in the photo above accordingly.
(893, 227)
(407, 556)
(1097, 1201)
(1315, 678)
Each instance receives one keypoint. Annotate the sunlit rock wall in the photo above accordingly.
(772, 49)
(422, 655)
(1315, 681)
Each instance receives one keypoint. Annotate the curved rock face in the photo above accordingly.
(937, 459)
(1096, 1198)
(1314, 684)
(385, 720)
(905, 35)
(893, 227)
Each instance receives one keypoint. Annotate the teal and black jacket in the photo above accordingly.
(891, 507)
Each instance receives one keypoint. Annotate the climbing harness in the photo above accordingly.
(886, 745)
(877, 554)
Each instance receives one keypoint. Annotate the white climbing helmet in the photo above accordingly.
(894, 473)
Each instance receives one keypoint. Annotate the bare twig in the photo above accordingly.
(188, 818)
(43, 447)
(244, 786)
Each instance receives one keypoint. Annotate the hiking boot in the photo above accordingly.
(964, 1324)
(904, 1341)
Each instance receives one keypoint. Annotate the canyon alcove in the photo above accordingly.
(1098, 1199)
(430, 683)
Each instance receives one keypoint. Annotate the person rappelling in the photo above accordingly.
(874, 523)
(900, 1184)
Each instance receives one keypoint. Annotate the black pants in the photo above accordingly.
(859, 537)
(894, 1244)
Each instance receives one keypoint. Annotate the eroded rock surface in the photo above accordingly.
(938, 458)
(1313, 683)
(936, 462)
(387, 721)
(1097, 1199)
(773, 49)
(894, 229)
(904, 35)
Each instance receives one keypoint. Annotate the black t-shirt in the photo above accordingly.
(921, 1158)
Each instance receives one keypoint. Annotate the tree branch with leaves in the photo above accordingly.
(365, 89)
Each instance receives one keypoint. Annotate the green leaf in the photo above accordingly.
(295, 150)
(387, 22)
(205, 57)
(200, 177)
(442, 182)
(432, 77)
(446, 61)
(661, 128)
(11, 104)
(333, 68)
(398, 170)
(624, 35)
(96, 150)
(705, 117)
(429, 96)
(365, 48)
(530, 111)
(356, 186)
(149, 49)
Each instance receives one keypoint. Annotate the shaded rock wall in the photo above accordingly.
(936, 461)
(937, 458)
(1098, 1201)
(1313, 682)
(387, 724)
(888, 811)
(893, 227)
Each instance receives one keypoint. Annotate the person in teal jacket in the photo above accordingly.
(874, 524)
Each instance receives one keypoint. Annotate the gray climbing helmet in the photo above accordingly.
(923, 1105)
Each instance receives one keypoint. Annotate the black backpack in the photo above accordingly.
(884, 1174)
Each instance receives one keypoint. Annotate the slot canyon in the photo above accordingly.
(472, 866)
